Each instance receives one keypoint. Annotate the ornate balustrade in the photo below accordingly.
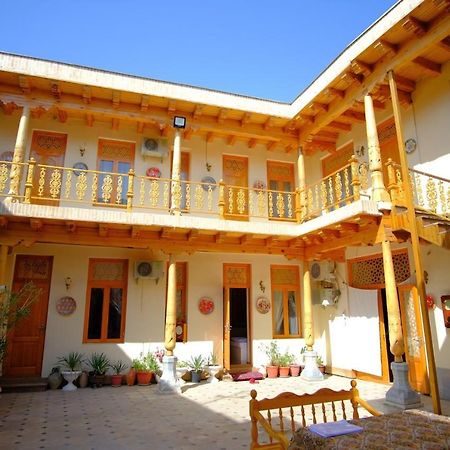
(430, 192)
(66, 186)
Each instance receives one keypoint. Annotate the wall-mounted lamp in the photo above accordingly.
(262, 287)
(82, 149)
(179, 122)
(67, 282)
(360, 151)
(208, 167)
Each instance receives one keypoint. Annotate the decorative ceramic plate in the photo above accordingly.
(262, 305)
(7, 156)
(410, 145)
(179, 330)
(80, 167)
(153, 172)
(208, 181)
(206, 305)
(66, 306)
(259, 185)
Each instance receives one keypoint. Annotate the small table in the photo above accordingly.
(412, 429)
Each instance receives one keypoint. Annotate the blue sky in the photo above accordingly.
(269, 49)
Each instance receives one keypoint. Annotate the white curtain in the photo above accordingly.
(278, 311)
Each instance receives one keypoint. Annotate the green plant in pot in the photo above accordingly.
(273, 356)
(71, 364)
(195, 365)
(285, 360)
(145, 367)
(99, 363)
(118, 367)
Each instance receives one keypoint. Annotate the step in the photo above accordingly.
(22, 384)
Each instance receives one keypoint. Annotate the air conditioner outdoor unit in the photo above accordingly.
(148, 269)
(154, 148)
(320, 270)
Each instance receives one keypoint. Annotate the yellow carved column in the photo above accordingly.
(415, 245)
(301, 183)
(308, 332)
(19, 152)
(310, 372)
(176, 184)
(395, 324)
(379, 192)
(171, 309)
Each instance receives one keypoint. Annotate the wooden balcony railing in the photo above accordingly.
(66, 186)
(430, 192)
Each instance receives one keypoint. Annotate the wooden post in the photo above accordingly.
(171, 307)
(379, 192)
(308, 332)
(301, 183)
(356, 182)
(175, 204)
(221, 199)
(19, 152)
(29, 182)
(395, 324)
(298, 206)
(130, 190)
(415, 245)
(392, 181)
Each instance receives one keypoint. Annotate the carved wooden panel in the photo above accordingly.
(116, 150)
(368, 273)
(284, 275)
(108, 270)
(33, 268)
(236, 275)
(337, 160)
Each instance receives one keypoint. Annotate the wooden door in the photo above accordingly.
(226, 329)
(235, 176)
(234, 276)
(388, 145)
(414, 339)
(47, 148)
(26, 339)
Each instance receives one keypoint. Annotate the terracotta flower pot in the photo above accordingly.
(295, 370)
(116, 380)
(284, 372)
(144, 378)
(272, 371)
(131, 377)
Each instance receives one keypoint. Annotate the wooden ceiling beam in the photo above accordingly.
(222, 115)
(103, 230)
(340, 126)
(318, 145)
(188, 132)
(38, 112)
(87, 95)
(55, 90)
(437, 30)
(71, 226)
(198, 110)
(154, 116)
(89, 120)
(9, 107)
(332, 92)
(385, 48)
(246, 119)
(62, 115)
(252, 143)
(24, 83)
(445, 43)
(268, 124)
(415, 26)
(354, 116)
(405, 84)
(361, 68)
(327, 134)
(140, 127)
(36, 224)
(115, 123)
(209, 137)
(171, 106)
(231, 140)
(431, 67)
(116, 99)
(271, 146)
(144, 102)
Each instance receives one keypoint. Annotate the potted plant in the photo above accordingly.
(195, 365)
(99, 363)
(145, 367)
(284, 361)
(72, 365)
(294, 367)
(131, 375)
(273, 355)
(116, 378)
(212, 367)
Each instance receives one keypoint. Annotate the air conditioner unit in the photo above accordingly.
(148, 269)
(320, 270)
(154, 148)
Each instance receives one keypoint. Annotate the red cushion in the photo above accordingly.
(246, 376)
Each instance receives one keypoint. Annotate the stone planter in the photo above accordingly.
(212, 371)
(70, 376)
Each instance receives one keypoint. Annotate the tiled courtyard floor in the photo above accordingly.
(205, 416)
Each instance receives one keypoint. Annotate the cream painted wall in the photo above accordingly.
(146, 304)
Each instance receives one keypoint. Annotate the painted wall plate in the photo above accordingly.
(206, 305)
(7, 156)
(208, 181)
(263, 305)
(66, 306)
(80, 167)
(410, 145)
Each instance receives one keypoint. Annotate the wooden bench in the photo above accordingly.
(282, 419)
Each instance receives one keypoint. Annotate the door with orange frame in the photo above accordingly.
(414, 338)
(48, 149)
(26, 339)
(280, 181)
(236, 317)
(235, 176)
